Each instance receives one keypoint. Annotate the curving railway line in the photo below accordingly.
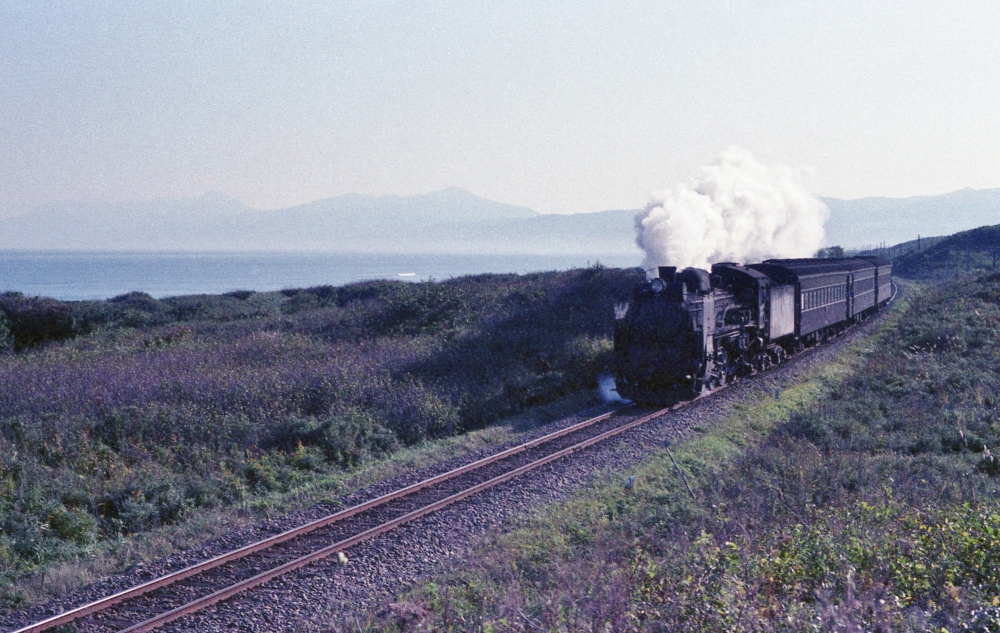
(153, 604)
(158, 602)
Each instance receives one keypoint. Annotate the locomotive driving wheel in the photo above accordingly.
(762, 361)
(779, 355)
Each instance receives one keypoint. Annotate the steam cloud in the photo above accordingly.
(606, 387)
(737, 210)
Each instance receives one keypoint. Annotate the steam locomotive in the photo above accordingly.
(685, 333)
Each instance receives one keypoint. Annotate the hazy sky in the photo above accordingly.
(558, 106)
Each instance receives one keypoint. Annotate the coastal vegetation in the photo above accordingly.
(866, 498)
(940, 258)
(121, 417)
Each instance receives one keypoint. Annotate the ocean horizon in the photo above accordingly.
(87, 275)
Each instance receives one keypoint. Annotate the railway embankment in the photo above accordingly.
(378, 570)
(865, 496)
(136, 428)
(814, 453)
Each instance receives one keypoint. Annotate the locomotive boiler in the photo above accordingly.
(688, 332)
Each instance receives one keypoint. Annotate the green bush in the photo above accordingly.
(31, 321)
(346, 439)
(73, 525)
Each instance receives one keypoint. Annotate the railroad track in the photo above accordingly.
(158, 602)
(155, 603)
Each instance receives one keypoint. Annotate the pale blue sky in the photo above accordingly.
(558, 106)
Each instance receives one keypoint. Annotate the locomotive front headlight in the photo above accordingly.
(657, 285)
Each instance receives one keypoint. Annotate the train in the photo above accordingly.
(685, 333)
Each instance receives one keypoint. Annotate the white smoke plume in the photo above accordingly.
(736, 210)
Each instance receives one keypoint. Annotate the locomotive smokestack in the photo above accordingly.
(667, 273)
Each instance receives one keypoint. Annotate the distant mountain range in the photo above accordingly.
(448, 221)
(870, 221)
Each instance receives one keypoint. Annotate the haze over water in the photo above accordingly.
(82, 275)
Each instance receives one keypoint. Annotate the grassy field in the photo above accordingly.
(866, 499)
(135, 426)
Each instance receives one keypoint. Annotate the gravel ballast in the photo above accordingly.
(380, 569)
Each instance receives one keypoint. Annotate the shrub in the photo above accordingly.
(346, 439)
(133, 509)
(73, 525)
(33, 321)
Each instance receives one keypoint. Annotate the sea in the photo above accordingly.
(72, 276)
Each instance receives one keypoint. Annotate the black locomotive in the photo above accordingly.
(688, 332)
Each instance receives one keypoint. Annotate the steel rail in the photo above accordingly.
(206, 565)
(250, 583)
(163, 581)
